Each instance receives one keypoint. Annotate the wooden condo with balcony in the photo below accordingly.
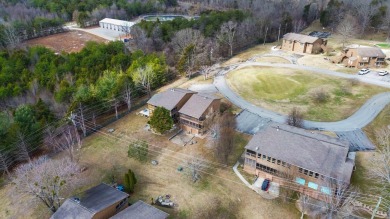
(304, 161)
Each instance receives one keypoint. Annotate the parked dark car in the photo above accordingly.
(265, 185)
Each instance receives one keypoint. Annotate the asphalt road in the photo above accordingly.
(358, 120)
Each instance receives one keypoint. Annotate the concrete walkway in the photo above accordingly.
(358, 120)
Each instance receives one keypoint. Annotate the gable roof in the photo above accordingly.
(70, 209)
(313, 151)
(91, 202)
(370, 52)
(141, 210)
(197, 105)
(299, 38)
(169, 98)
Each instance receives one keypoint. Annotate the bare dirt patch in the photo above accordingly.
(72, 41)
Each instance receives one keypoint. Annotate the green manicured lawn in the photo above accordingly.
(384, 45)
(281, 89)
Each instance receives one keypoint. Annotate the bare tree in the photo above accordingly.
(11, 38)
(295, 118)
(347, 28)
(303, 203)
(127, 95)
(23, 150)
(380, 163)
(66, 139)
(140, 39)
(338, 202)
(5, 163)
(46, 180)
(195, 165)
(189, 46)
(144, 77)
(364, 12)
(227, 35)
(224, 142)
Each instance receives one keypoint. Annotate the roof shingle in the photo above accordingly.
(141, 210)
(299, 38)
(169, 98)
(316, 152)
(197, 105)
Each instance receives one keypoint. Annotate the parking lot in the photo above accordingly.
(374, 74)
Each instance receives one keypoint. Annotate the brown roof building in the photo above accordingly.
(303, 43)
(362, 57)
(197, 111)
(172, 100)
(310, 160)
(102, 201)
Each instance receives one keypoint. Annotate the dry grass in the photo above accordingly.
(281, 89)
(105, 155)
(272, 59)
(256, 50)
(72, 41)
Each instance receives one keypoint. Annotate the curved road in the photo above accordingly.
(358, 120)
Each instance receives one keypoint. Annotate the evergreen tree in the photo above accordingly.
(161, 120)
(129, 181)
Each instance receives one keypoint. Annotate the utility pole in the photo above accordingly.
(280, 25)
(376, 208)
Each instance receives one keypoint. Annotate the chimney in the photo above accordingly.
(277, 129)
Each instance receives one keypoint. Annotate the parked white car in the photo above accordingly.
(363, 71)
(383, 73)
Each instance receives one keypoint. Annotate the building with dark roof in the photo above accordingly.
(172, 100)
(102, 201)
(310, 160)
(197, 111)
(362, 57)
(141, 210)
(303, 43)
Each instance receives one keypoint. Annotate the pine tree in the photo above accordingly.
(130, 181)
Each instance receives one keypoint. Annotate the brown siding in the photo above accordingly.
(213, 108)
(284, 174)
(361, 62)
(310, 48)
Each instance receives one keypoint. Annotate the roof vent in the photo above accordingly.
(277, 129)
(257, 148)
(77, 200)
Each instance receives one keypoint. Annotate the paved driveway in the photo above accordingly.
(358, 120)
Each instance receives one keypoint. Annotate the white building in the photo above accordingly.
(117, 25)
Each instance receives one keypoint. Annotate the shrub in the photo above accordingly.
(138, 150)
(320, 96)
(295, 118)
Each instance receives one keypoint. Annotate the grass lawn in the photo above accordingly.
(281, 89)
(384, 45)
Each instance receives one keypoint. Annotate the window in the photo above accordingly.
(316, 175)
(278, 162)
(300, 170)
(273, 160)
(305, 172)
(264, 157)
(269, 159)
(310, 173)
(258, 155)
(283, 163)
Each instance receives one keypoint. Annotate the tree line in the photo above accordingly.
(38, 88)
